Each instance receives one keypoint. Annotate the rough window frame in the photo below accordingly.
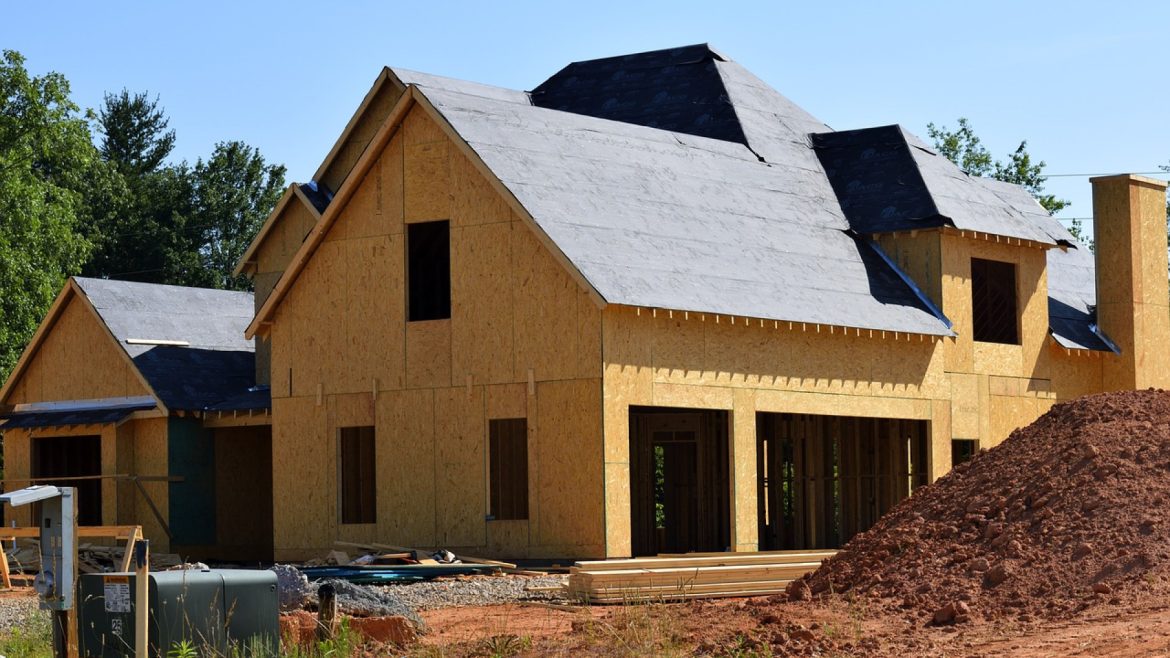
(508, 469)
(428, 271)
(995, 310)
(357, 488)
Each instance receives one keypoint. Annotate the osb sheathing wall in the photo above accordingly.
(282, 242)
(78, 359)
(1132, 303)
(523, 341)
(967, 390)
(700, 361)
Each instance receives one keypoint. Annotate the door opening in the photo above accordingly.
(72, 457)
(679, 489)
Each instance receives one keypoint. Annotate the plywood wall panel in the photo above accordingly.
(474, 201)
(284, 239)
(304, 478)
(568, 459)
(405, 452)
(507, 401)
(428, 354)
(460, 489)
(150, 458)
(545, 311)
(481, 303)
(374, 346)
(17, 470)
(742, 457)
(426, 189)
(391, 182)
(78, 359)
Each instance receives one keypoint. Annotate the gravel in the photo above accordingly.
(365, 601)
(473, 590)
(18, 612)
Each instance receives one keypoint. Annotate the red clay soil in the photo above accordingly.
(1068, 514)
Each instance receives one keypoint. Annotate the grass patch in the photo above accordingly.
(33, 640)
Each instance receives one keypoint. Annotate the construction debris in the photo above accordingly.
(91, 558)
(292, 587)
(673, 578)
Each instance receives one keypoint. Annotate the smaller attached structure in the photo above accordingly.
(142, 396)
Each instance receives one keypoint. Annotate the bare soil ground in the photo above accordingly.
(758, 627)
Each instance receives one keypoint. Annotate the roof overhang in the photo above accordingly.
(70, 413)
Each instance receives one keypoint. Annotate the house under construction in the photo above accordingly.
(649, 306)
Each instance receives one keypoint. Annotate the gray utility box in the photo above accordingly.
(212, 609)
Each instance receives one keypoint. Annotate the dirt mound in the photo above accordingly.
(1067, 513)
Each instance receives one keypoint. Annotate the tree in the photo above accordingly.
(179, 224)
(134, 133)
(134, 235)
(233, 193)
(49, 173)
(962, 147)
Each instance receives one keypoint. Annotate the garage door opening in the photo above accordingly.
(72, 457)
(823, 479)
(679, 480)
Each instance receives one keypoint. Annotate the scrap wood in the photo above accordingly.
(373, 547)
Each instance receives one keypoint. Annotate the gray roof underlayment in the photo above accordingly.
(677, 179)
(215, 364)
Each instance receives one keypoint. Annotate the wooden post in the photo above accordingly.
(141, 597)
(326, 612)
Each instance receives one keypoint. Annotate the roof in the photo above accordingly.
(677, 179)
(86, 412)
(188, 343)
(671, 220)
(1072, 301)
(888, 180)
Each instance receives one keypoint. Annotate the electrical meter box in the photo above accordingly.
(213, 610)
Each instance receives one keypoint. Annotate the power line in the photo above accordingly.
(1115, 173)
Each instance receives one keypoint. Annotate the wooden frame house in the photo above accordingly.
(654, 306)
(143, 397)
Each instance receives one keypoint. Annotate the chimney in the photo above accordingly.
(1133, 300)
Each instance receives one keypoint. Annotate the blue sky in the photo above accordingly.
(1083, 82)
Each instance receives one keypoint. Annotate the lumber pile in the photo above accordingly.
(689, 576)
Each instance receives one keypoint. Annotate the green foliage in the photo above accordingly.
(179, 224)
(134, 133)
(233, 193)
(32, 640)
(184, 649)
(963, 147)
(49, 173)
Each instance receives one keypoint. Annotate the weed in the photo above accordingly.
(503, 646)
(34, 640)
(184, 649)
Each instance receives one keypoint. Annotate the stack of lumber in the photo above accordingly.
(689, 576)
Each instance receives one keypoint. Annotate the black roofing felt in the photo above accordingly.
(255, 398)
(193, 379)
(317, 194)
(876, 180)
(217, 364)
(67, 417)
(679, 89)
